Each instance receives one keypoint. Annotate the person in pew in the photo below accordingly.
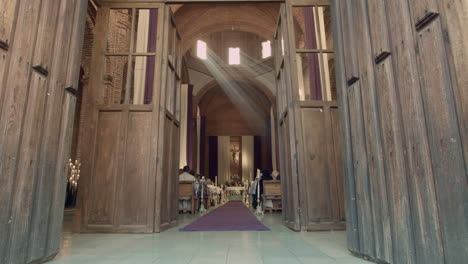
(276, 175)
(186, 177)
(266, 175)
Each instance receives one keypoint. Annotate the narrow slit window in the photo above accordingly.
(234, 56)
(201, 50)
(266, 49)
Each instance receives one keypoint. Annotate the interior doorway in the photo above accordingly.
(222, 78)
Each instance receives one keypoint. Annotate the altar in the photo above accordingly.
(235, 190)
(238, 193)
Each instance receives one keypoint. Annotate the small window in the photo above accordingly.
(266, 49)
(201, 50)
(234, 56)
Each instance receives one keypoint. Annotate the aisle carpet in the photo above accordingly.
(233, 216)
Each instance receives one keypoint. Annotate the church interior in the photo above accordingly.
(235, 131)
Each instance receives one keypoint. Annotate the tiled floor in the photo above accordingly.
(281, 245)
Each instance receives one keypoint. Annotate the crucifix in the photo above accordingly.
(235, 153)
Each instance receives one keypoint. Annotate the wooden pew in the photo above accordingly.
(272, 191)
(186, 193)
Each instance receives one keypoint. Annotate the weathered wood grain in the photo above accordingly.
(13, 188)
(50, 129)
(337, 164)
(394, 151)
(316, 175)
(339, 25)
(7, 19)
(102, 189)
(134, 200)
(361, 174)
(444, 141)
(454, 18)
(372, 130)
(425, 218)
(421, 9)
(48, 19)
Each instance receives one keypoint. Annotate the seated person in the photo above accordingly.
(266, 175)
(275, 174)
(186, 176)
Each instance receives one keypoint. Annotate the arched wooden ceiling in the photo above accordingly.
(197, 20)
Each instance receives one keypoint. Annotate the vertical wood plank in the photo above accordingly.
(337, 163)
(7, 19)
(396, 172)
(316, 175)
(11, 125)
(331, 162)
(373, 144)
(4, 61)
(51, 37)
(45, 40)
(378, 27)
(134, 202)
(424, 211)
(339, 27)
(444, 141)
(296, 154)
(27, 169)
(58, 193)
(454, 24)
(363, 201)
(102, 188)
(348, 29)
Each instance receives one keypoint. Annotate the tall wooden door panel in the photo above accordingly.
(103, 188)
(305, 97)
(168, 154)
(318, 191)
(39, 55)
(137, 185)
(286, 115)
(400, 81)
(118, 175)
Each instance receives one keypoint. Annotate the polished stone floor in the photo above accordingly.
(281, 245)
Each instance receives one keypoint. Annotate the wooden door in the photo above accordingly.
(403, 89)
(307, 111)
(314, 96)
(169, 128)
(119, 163)
(39, 68)
(286, 130)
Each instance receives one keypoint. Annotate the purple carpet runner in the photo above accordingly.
(233, 216)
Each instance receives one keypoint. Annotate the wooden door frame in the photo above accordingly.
(168, 17)
(293, 105)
